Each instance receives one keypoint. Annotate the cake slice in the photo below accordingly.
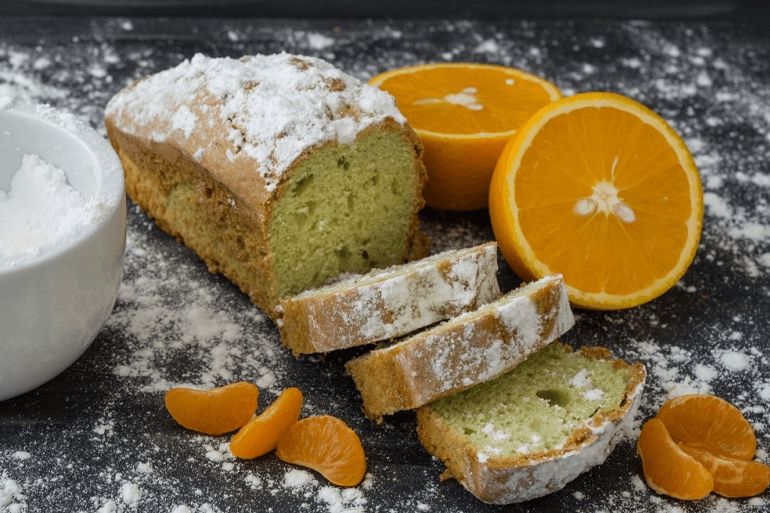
(279, 171)
(389, 303)
(532, 430)
(466, 350)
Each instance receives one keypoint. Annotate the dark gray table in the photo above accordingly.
(97, 438)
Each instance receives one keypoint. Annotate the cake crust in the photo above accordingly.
(391, 302)
(472, 348)
(517, 478)
(199, 131)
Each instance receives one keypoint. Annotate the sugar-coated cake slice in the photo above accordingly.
(469, 349)
(532, 430)
(280, 171)
(390, 303)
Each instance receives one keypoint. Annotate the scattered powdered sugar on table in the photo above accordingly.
(175, 324)
(203, 329)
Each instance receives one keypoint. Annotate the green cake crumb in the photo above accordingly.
(535, 406)
(334, 202)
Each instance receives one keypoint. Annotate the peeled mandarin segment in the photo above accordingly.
(710, 423)
(327, 445)
(669, 470)
(600, 189)
(732, 477)
(215, 411)
(464, 113)
(261, 434)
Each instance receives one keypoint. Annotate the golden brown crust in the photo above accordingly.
(226, 197)
(513, 478)
(154, 172)
(390, 303)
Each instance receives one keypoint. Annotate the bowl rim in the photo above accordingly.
(110, 191)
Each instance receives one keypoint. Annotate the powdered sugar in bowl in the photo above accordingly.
(62, 241)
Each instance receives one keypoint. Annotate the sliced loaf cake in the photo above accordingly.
(391, 302)
(280, 171)
(466, 350)
(532, 430)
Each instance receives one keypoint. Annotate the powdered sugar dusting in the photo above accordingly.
(204, 328)
(476, 346)
(272, 107)
(393, 302)
(520, 316)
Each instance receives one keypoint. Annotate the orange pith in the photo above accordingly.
(464, 114)
(327, 445)
(600, 189)
(669, 470)
(710, 423)
(732, 477)
(261, 434)
(215, 411)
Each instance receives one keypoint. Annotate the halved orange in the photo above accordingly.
(215, 411)
(669, 470)
(598, 188)
(327, 445)
(711, 423)
(261, 434)
(464, 114)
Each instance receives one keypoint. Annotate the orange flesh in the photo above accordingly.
(710, 423)
(261, 434)
(327, 445)
(732, 477)
(669, 470)
(213, 412)
(427, 102)
(601, 244)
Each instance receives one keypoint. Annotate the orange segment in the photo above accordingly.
(710, 423)
(669, 470)
(213, 412)
(732, 477)
(261, 434)
(602, 190)
(464, 114)
(327, 445)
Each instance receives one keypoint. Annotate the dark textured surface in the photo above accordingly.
(98, 437)
(400, 9)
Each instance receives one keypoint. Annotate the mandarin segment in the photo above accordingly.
(261, 434)
(464, 114)
(711, 423)
(602, 190)
(669, 470)
(732, 477)
(327, 445)
(215, 411)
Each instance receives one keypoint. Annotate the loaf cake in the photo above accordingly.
(279, 171)
(389, 303)
(532, 430)
(468, 349)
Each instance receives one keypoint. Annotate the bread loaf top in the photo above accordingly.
(248, 120)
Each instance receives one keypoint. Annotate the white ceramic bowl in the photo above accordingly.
(54, 302)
